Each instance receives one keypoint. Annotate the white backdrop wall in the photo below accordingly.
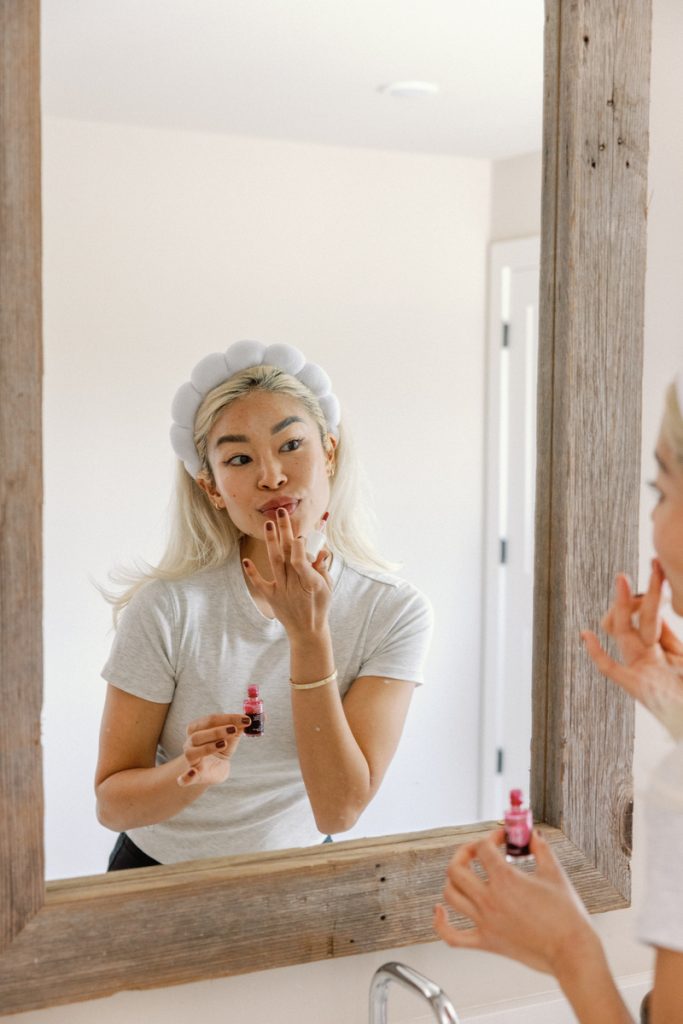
(515, 197)
(161, 246)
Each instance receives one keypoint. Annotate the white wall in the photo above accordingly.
(336, 992)
(516, 197)
(162, 246)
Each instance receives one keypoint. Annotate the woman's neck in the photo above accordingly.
(257, 553)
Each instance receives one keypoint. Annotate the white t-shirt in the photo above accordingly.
(660, 921)
(199, 642)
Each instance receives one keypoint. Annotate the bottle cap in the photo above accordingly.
(516, 798)
(253, 691)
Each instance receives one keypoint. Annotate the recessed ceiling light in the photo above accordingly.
(410, 88)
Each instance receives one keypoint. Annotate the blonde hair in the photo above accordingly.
(202, 537)
(672, 423)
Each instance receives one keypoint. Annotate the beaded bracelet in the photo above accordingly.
(318, 682)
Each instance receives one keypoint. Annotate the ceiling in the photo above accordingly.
(304, 70)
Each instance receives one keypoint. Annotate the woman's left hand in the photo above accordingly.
(300, 591)
(534, 918)
(652, 668)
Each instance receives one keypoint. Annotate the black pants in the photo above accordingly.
(127, 855)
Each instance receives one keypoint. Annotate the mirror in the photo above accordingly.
(84, 938)
(179, 215)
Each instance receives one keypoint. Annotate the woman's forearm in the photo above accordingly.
(335, 771)
(586, 981)
(137, 797)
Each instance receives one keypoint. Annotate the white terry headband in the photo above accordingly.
(213, 369)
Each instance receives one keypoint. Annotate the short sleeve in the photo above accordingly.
(401, 630)
(660, 922)
(143, 658)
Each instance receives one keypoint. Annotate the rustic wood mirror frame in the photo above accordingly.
(87, 937)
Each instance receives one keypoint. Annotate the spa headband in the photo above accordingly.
(213, 369)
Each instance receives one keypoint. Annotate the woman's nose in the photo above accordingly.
(271, 475)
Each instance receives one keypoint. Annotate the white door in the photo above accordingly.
(509, 529)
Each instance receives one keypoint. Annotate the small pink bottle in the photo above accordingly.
(253, 706)
(518, 826)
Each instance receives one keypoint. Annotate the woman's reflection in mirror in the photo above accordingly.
(336, 645)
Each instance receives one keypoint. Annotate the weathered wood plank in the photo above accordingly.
(593, 275)
(304, 906)
(21, 795)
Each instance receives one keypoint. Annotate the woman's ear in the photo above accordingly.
(331, 454)
(209, 488)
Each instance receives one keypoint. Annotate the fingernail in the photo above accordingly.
(281, 513)
(191, 774)
(230, 729)
(245, 721)
(245, 563)
(220, 743)
(269, 526)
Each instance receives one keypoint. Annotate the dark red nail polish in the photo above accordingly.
(191, 773)
(231, 730)
(269, 526)
(281, 513)
(220, 743)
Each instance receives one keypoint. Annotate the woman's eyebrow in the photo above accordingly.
(232, 439)
(285, 423)
(243, 439)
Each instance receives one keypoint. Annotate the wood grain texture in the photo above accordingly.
(21, 795)
(167, 925)
(311, 905)
(592, 285)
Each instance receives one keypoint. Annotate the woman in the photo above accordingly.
(336, 645)
(538, 919)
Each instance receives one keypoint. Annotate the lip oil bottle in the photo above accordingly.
(253, 706)
(518, 826)
(316, 539)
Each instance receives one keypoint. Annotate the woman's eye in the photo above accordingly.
(238, 460)
(291, 446)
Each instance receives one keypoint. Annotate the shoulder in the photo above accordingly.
(383, 589)
(170, 597)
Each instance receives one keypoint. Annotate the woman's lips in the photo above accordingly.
(271, 513)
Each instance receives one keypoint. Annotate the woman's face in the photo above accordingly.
(265, 452)
(667, 518)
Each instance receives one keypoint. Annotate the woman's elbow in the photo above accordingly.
(333, 820)
(105, 817)
(105, 812)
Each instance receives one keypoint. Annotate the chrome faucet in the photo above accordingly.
(439, 1002)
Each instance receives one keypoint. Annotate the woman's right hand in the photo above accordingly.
(208, 748)
(534, 918)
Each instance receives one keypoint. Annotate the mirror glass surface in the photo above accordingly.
(215, 171)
